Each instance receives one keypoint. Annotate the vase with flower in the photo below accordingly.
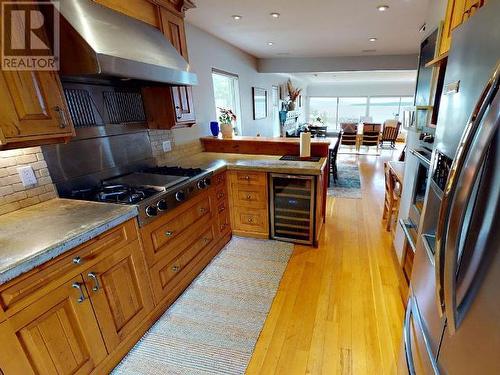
(226, 119)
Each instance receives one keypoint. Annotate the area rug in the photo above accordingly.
(348, 183)
(214, 326)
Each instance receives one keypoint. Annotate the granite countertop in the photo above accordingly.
(34, 235)
(214, 161)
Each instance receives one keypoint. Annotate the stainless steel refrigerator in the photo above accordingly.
(452, 323)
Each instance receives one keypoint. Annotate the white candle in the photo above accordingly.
(305, 145)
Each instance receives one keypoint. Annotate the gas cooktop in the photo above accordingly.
(155, 191)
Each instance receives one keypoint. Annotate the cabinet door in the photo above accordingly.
(173, 28)
(59, 333)
(142, 10)
(454, 18)
(120, 293)
(33, 106)
(12, 358)
(182, 97)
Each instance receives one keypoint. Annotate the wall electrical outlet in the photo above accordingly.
(27, 176)
(167, 146)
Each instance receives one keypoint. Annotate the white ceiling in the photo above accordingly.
(314, 28)
(357, 77)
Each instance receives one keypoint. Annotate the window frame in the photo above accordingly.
(236, 96)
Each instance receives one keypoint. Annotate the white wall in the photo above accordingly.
(206, 52)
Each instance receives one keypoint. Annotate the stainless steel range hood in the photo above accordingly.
(99, 42)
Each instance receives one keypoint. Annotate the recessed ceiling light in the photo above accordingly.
(372, 39)
(236, 17)
(382, 8)
(270, 43)
(275, 15)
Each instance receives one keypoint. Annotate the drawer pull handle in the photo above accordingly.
(247, 178)
(250, 220)
(203, 210)
(176, 268)
(222, 227)
(93, 276)
(169, 233)
(78, 286)
(220, 195)
(222, 209)
(77, 260)
(249, 197)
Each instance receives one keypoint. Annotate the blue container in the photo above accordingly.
(214, 128)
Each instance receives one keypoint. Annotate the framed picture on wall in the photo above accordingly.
(259, 103)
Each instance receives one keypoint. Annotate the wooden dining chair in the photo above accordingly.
(371, 134)
(349, 134)
(391, 200)
(333, 151)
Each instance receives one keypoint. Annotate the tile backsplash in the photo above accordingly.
(179, 151)
(13, 195)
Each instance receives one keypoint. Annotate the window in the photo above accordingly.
(352, 109)
(386, 108)
(227, 94)
(382, 109)
(335, 110)
(326, 109)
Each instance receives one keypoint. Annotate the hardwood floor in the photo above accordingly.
(338, 309)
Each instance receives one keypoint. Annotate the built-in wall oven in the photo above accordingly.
(411, 225)
(292, 207)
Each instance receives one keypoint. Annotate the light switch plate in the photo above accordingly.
(27, 176)
(167, 146)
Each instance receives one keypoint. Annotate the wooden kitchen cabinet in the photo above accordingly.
(457, 12)
(59, 333)
(33, 109)
(173, 28)
(249, 203)
(120, 293)
(143, 10)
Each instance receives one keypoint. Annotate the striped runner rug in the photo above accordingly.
(214, 325)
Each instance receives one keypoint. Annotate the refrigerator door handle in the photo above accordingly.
(451, 184)
(467, 176)
(407, 338)
(412, 310)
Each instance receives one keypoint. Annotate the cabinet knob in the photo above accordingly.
(247, 178)
(203, 210)
(77, 260)
(249, 197)
(78, 286)
(169, 233)
(62, 116)
(176, 268)
(177, 115)
(250, 220)
(220, 195)
(96, 286)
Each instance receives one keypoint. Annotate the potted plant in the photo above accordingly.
(226, 118)
(293, 94)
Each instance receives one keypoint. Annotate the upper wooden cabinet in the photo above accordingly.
(142, 10)
(33, 109)
(173, 28)
(457, 12)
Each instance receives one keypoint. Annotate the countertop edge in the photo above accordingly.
(52, 252)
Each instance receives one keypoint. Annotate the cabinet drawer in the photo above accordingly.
(219, 179)
(26, 288)
(221, 193)
(251, 220)
(248, 197)
(175, 234)
(224, 225)
(242, 178)
(166, 271)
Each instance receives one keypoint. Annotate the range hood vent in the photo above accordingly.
(101, 43)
